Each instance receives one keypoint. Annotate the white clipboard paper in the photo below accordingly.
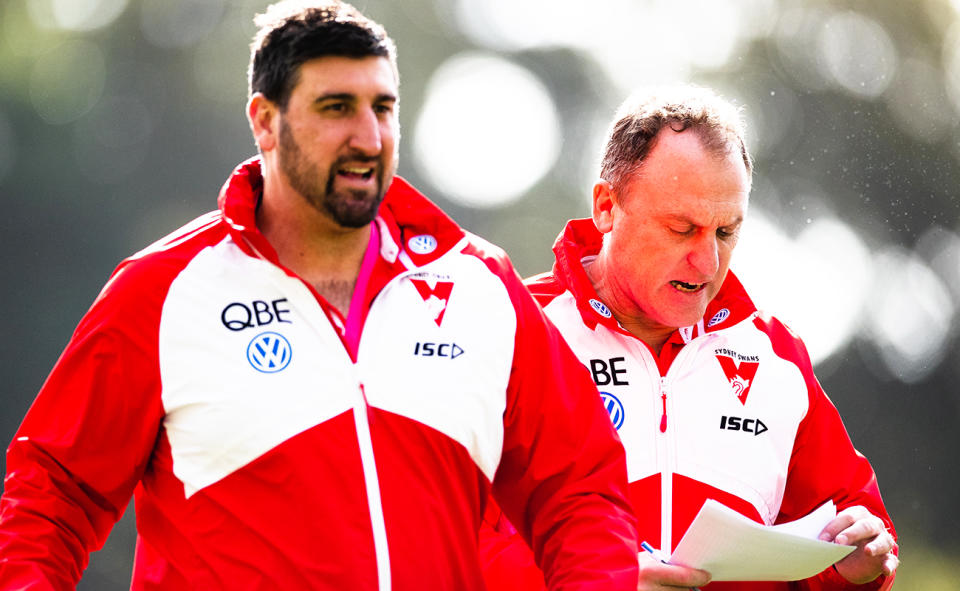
(732, 547)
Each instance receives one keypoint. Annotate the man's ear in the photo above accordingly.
(263, 116)
(603, 204)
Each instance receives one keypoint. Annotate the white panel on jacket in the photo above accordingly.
(247, 360)
(751, 461)
(622, 370)
(438, 346)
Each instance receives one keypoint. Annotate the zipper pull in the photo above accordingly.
(663, 399)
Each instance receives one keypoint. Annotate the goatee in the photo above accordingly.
(349, 208)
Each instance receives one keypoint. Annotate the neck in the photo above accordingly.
(628, 313)
(309, 243)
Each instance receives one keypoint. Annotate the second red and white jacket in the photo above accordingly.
(730, 410)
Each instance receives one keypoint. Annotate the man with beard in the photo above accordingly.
(318, 385)
(712, 398)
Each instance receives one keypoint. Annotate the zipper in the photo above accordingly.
(666, 476)
(667, 444)
(663, 399)
(361, 421)
(372, 483)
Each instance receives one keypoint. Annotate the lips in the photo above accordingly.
(356, 172)
(687, 287)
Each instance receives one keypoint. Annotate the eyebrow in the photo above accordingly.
(346, 96)
(680, 217)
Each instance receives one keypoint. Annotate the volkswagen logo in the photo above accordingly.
(422, 244)
(614, 408)
(600, 308)
(269, 352)
(718, 317)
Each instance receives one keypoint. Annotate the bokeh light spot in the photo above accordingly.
(631, 50)
(179, 23)
(75, 15)
(218, 67)
(487, 132)
(710, 32)
(67, 81)
(504, 24)
(910, 314)
(796, 33)
(941, 248)
(919, 102)
(817, 283)
(951, 64)
(858, 54)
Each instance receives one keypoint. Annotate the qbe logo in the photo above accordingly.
(614, 409)
(269, 352)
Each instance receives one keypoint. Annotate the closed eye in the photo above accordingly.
(728, 232)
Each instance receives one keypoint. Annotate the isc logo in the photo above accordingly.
(450, 350)
(754, 426)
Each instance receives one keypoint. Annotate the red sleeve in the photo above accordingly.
(562, 477)
(824, 464)
(507, 561)
(83, 445)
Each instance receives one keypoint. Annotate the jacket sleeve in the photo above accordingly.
(562, 477)
(82, 447)
(825, 465)
(506, 559)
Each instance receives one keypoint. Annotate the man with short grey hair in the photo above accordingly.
(712, 398)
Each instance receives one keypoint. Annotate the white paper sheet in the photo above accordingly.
(732, 547)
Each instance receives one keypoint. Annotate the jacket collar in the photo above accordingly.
(581, 240)
(412, 228)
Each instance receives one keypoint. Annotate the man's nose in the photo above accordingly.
(705, 256)
(366, 137)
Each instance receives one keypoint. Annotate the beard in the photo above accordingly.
(350, 208)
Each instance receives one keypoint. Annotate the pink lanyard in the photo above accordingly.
(357, 312)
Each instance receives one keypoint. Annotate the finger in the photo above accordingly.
(862, 530)
(842, 521)
(890, 564)
(880, 545)
(672, 575)
(645, 558)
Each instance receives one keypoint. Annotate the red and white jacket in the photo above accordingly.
(730, 410)
(273, 444)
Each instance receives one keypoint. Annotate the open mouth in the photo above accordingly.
(356, 172)
(687, 287)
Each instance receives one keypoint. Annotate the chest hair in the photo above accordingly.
(337, 292)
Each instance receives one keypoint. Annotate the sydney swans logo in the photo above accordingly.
(740, 371)
(436, 297)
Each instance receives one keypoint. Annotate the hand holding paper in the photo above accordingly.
(656, 573)
(732, 547)
(875, 552)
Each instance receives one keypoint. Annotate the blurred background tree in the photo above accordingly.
(120, 119)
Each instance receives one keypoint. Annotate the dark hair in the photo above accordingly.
(292, 32)
(642, 116)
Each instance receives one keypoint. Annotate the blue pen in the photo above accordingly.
(647, 547)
